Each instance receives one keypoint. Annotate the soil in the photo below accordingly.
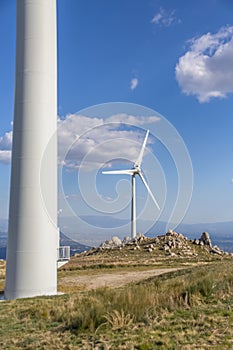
(112, 280)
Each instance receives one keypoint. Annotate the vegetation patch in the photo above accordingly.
(174, 311)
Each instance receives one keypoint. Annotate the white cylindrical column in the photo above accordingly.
(133, 208)
(32, 237)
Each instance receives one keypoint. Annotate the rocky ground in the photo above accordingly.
(172, 243)
(170, 248)
(151, 256)
(118, 262)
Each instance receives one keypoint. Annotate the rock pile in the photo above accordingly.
(203, 240)
(114, 242)
(206, 241)
(172, 244)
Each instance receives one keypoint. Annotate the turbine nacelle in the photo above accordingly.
(137, 169)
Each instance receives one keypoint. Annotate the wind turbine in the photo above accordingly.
(33, 240)
(136, 170)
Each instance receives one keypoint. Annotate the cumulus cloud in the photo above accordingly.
(6, 141)
(164, 18)
(5, 147)
(206, 69)
(5, 157)
(133, 83)
(87, 142)
(84, 146)
(124, 118)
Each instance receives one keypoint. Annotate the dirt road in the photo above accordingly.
(111, 279)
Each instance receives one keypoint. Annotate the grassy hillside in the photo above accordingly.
(189, 308)
(186, 309)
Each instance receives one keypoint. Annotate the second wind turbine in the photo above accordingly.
(136, 170)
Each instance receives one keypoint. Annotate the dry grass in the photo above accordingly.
(175, 311)
(2, 274)
(139, 254)
(118, 319)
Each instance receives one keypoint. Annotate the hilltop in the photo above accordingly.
(118, 262)
(167, 292)
(75, 247)
(168, 249)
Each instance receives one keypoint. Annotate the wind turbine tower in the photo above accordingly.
(33, 235)
(136, 170)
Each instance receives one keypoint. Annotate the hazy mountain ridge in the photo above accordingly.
(221, 233)
(75, 247)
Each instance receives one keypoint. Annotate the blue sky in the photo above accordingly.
(173, 57)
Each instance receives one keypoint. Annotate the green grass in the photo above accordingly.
(186, 309)
(128, 257)
(2, 275)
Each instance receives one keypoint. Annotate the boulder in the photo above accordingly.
(116, 241)
(205, 238)
(216, 250)
(112, 243)
(126, 240)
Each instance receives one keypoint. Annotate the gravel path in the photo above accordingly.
(112, 279)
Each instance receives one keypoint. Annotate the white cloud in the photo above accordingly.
(133, 83)
(5, 147)
(89, 142)
(6, 141)
(5, 157)
(157, 18)
(164, 18)
(70, 129)
(206, 69)
(131, 119)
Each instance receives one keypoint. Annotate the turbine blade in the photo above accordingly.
(139, 160)
(119, 172)
(148, 189)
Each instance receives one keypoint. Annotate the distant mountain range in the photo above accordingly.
(104, 221)
(3, 243)
(75, 247)
(3, 225)
(225, 228)
(221, 233)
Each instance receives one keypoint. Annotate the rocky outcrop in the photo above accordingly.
(205, 238)
(217, 250)
(114, 242)
(172, 244)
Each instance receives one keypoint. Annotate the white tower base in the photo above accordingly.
(33, 237)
